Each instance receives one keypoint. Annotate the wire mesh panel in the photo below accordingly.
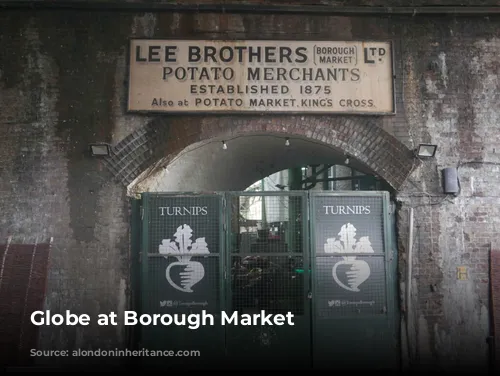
(248, 253)
(182, 275)
(353, 317)
(268, 257)
(350, 268)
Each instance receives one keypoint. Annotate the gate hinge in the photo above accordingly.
(142, 213)
(224, 227)
(224, 202)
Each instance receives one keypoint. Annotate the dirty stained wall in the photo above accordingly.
(63, 84)
(333, 3)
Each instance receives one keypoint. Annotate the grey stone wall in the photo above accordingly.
(63, 83)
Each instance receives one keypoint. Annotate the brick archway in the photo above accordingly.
(163, 138)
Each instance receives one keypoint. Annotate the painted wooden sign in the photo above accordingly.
(185, 76)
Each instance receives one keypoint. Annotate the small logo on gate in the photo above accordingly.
(347, 243)
(183, 248)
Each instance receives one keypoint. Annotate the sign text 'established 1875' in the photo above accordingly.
(261, 76)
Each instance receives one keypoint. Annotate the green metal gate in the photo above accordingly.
(249, 252)
(354, 274)
(267, 254)
(183, 273)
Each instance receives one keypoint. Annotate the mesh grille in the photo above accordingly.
(267, 255)
(183, 272)
(349, 256)
(249, 252)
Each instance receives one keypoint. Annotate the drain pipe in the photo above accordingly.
(409, 261)
(408, 286)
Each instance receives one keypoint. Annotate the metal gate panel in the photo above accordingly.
(181, 273)
(353, 269)
(252, 251)
(268, 257)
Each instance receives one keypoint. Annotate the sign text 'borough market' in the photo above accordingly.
(261, 76)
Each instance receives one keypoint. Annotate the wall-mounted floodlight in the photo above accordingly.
(426, 150)
(99, 150)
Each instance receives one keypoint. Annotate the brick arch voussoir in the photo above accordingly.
(359, 137)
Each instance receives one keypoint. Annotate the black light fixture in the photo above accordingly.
(99, 150)
(426, 150)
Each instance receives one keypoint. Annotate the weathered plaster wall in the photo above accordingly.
(63, 81)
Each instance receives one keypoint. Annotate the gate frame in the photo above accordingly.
(306, 247)
(139, 246)
(305, 244)
(390, 260)
(144, 255)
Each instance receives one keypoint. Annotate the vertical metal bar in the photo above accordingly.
(390, 266)
(295, 179)
(224, 264)
(146, 197)
(394, 257)
(387, 250)
(135, 268)
(312, 268)
(326, 184)
(294, 182)
(306, 257)
(334, 175)
(264, 215)
(228, 216)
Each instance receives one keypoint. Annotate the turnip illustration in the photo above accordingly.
(182, 249)
(347, 243)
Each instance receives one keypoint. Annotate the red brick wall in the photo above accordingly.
(23, 277)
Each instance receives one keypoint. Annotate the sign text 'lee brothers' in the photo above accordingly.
(257, 75)
(192, 321)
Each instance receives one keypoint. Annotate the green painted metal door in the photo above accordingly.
(249, 252)
(354, 274)
(182, 273)
(268, 259)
